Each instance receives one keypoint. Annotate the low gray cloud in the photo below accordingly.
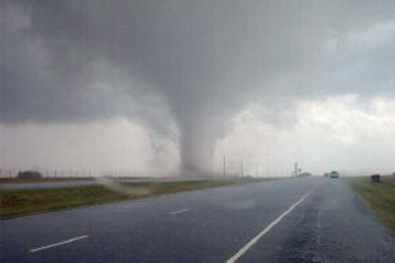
(189, 64)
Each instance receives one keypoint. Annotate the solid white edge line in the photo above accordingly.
(57, 244)
(252, 242)
(179, 211)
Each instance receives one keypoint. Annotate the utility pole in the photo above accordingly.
(241, 169)
(296, 172)
(257, 170)
(224, 171)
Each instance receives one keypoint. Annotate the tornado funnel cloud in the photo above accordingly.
(196, 154)
(184, 68)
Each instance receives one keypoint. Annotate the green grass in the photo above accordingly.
(16, 180)
(32, 201)
(380, 196)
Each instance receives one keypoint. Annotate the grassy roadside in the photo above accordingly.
(380, 196)
(32, 201)
(43, 180)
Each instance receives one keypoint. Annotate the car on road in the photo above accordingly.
(375, 178)
(334, 174)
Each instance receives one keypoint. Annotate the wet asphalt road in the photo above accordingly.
(328, 223)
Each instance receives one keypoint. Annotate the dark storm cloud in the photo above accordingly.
(205, 59)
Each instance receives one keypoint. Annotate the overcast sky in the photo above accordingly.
(170, 86)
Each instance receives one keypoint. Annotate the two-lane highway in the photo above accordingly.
(295, 220)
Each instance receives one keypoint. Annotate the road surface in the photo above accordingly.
(295, 220)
